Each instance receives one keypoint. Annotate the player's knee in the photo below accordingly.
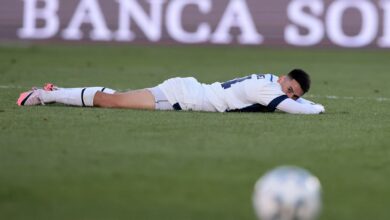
(105, 100)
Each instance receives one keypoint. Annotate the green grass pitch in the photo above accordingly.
(61, 162)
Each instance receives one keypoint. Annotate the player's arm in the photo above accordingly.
(271, 96)
(300, 107)
(304, 101)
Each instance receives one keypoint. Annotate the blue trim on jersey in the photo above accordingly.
(229, 83)
(271, 107)
(272, 76)
(251, 108)
(274, 103)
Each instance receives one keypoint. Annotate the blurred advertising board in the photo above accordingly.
(294, 23)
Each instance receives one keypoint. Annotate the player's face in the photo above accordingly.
(290, 87)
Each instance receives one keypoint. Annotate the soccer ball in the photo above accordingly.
(287, 193)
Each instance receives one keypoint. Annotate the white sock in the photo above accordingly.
(74, 96)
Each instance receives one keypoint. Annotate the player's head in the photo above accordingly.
(295, 84)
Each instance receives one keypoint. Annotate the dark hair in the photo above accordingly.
(302, 78)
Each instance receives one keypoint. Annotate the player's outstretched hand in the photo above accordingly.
(320, 108)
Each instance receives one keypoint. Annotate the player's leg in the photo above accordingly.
(151, 98)
(136, 99)
(69, 96)
(89, 97)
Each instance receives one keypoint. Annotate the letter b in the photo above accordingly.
(31, 14)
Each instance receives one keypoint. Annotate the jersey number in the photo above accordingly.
(229, 83)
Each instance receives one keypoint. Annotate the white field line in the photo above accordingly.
(10, 87)
(379, 99)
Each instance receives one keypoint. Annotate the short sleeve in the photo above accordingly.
(263, 92)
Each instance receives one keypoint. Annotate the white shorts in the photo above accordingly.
(161, 101)
(186, 94)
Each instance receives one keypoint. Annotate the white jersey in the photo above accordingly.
(250, 93)
(253, 93)
(239, 94)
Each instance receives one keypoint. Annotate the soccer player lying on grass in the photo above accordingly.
(254, 93)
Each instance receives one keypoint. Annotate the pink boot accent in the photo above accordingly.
(49, 87)
(23, 97)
